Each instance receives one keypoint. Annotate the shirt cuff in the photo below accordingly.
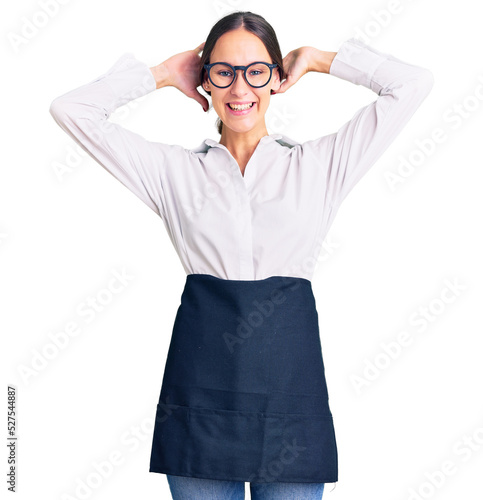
(128, 78)
(356, 62)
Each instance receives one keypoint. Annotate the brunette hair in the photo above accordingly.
(253, 23)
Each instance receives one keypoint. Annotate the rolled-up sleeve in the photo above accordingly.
(84, 112)
(350, 152)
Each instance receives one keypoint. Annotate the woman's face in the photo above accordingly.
(240, 48)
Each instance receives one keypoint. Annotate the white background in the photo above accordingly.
(393, 251)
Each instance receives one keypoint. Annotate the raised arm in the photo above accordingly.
(349, 153)
(83, 113)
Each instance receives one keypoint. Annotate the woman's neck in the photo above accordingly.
(242, 144)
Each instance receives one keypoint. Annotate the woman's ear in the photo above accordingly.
(275, 85)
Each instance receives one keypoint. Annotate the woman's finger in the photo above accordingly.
(285, 85)
(200, 47)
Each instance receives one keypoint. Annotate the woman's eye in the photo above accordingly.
(224, 73)
(255, 71)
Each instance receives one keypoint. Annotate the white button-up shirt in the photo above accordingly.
(271, 220)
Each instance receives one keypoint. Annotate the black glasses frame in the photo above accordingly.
(244, 68)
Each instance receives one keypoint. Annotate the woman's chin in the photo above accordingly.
(238, 125)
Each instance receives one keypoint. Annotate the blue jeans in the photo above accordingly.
(194, 488)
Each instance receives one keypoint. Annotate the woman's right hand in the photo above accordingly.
(182, 71)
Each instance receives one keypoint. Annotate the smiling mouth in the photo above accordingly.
(240, 107)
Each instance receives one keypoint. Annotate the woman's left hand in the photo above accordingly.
(300, 61)
(295, 64)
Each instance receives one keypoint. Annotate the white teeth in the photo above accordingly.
(240, 107)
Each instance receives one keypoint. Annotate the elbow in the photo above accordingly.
(57, 110)
(67, 112)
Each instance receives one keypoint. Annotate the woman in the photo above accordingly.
(244, 396)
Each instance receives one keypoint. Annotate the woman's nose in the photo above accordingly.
(240, 84)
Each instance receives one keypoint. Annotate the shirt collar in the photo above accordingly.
(210, 143)
(265, 138)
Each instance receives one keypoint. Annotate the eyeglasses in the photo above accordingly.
(222, 75)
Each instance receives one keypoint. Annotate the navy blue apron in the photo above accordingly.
(244, 395)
